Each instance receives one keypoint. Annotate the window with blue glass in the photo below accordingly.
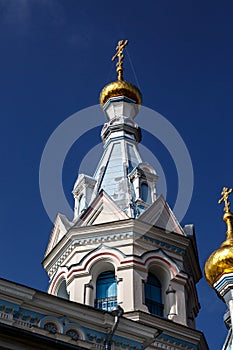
(106, 291)
(153, 295)
(145, 193)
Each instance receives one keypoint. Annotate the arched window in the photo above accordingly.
(62, 291)
(153, 295)
(145, 193)
(106, 291)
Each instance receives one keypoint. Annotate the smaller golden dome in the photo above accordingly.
(120, 88)
(220, 261)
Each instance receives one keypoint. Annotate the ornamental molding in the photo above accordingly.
(36, 323)
(224, 284)
(82, 182)
(159, 345)
(168, 342)
(110, 238)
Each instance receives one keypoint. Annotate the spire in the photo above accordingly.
(121, 173)
(121, 163)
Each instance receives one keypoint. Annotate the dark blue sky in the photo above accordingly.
(56, 57)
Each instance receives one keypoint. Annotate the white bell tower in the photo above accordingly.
(124, 246)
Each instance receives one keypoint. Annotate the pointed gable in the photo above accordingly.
(160, 214)
(61, 226)
(102, 210)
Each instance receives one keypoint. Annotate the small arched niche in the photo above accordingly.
(62, 291)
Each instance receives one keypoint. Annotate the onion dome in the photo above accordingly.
(120, 87)
(220, 261)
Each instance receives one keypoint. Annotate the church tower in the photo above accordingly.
(125, 246)
(219, 269)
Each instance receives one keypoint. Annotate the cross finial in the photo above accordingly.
(120, 47)
(225, 194)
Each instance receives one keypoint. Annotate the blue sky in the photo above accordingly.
(55, 59)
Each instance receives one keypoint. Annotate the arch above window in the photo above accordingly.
(106, 291)
(153, 295)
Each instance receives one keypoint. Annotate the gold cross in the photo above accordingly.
(120, 47)
(225, 194)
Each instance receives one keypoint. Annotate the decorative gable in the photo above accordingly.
(160, 214)
(102, 210)
(61, 226)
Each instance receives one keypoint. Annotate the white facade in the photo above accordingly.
(123, 232)
(31, 319)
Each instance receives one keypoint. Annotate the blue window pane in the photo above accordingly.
(145, 193)
(106, 291)
(153, 295)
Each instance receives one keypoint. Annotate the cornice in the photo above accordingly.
(114, 231)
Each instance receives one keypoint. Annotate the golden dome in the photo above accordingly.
(220, 261)
(120, 88)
